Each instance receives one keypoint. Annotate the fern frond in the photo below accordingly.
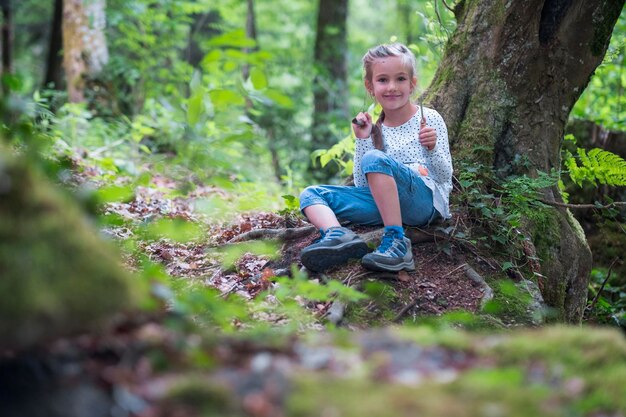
(596, 166)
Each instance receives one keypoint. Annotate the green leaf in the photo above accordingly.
(257, 76)
(114, 194)
(235, 39)
(175, 229)
(279, 98)
(223, 98)
(194, 108)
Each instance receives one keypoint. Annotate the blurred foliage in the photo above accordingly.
(604, 99)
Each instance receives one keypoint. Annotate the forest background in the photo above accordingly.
(237, 106)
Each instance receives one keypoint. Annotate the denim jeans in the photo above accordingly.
(356, 204)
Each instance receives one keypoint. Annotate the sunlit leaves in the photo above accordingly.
(224, 98)
(235, 39)
(596, 166)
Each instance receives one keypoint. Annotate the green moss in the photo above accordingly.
(509, 303)
(497, 13)
(58, 277)
(545, 228)
(555, 371)
(202, 395)
(381, 307)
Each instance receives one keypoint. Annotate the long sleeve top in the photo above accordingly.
(402, 144)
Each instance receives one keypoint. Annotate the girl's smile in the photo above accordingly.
(392, 86)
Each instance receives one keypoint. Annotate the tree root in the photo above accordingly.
(477, 278)
(282, 234)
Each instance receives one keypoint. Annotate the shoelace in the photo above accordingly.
(329, 235)
(386, 242)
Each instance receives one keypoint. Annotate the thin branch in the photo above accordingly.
(447, 7)
(584, 206)
(440, 20)
(404, 310)
(608, 275)
(454, 270)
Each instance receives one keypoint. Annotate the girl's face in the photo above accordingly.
(391, 83)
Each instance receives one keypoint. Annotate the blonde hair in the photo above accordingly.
(386, 51)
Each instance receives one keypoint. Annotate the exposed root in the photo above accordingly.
(477, 278)
(282, 234)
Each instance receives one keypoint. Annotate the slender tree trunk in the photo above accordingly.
(250, 33)
(404, 16)
(7, 36)
(511, 73)
(54, 63)
(84, 46)
(330, 91)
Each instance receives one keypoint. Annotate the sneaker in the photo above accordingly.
(336, 246)
(394, 254)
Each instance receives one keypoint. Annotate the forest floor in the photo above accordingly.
(156, 365)
(440, 283)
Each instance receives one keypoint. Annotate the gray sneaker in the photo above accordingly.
(393, 255)
(336, 246)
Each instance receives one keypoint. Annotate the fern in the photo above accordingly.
(596, 166)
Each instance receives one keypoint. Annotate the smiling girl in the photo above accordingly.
(402, 173)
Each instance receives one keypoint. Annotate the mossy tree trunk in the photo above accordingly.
(511, 73)
(85, 49)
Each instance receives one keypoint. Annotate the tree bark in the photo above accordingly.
(511, 73)
(84, 45)
(54, 62)
(7, 36)
(330, 90)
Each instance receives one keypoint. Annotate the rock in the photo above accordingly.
(57, 277)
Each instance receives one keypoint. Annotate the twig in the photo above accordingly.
(283, 234)
(447, 7)
(404, 310)
(440, 20)
(608, 275)
(454, 270)
(584, 206)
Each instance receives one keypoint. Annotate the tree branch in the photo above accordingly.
(584, 206)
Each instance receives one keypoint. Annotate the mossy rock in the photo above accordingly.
(552, 371)
(57, 277)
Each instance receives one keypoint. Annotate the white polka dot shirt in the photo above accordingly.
(402, 144)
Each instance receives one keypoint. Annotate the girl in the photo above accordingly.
(402, 173)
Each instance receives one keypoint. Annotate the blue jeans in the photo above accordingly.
(356, 204)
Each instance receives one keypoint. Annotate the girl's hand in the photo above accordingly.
(428, 136)
(362, 125)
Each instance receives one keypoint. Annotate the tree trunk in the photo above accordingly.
(84, 46)
(250, 33)
(54, 62)
(404, 16)
(511, 73)
(330, 90)
(7, 36)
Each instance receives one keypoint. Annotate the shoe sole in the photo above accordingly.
(375, 266)
(320, 259)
